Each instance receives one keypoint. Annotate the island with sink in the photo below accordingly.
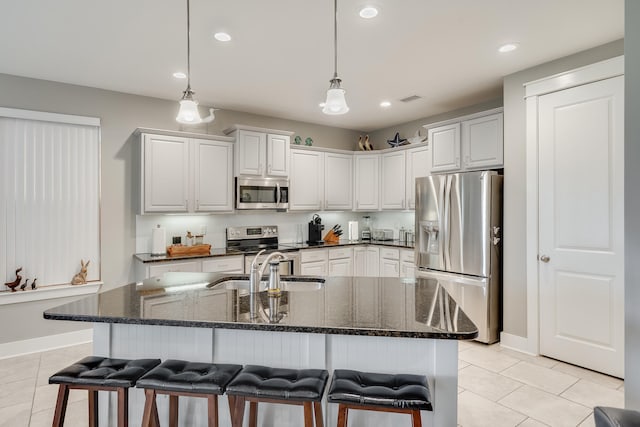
(365, 323)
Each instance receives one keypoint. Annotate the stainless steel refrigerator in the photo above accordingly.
(458, 242)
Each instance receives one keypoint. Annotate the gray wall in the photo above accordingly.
(632, 203)
(407, 130)
(514, 270)
(120, 115)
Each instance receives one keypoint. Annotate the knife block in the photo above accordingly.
(331, 237)
(315, 233)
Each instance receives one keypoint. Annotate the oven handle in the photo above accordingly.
(277, 194)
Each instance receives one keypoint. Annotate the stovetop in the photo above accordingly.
(252, 250)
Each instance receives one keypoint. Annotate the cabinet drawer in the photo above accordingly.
(231, 264)
(160, 269)
(337, 253)
(311, 255)
(389, 253)
(407, 256)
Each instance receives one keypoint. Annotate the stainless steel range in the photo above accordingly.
(250, 240)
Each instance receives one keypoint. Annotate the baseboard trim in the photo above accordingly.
(517, 343)
(51, 342)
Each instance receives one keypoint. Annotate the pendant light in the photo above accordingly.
(335, 103)
(188, 113)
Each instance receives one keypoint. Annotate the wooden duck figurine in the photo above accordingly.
(24, 285)
(33, 284)
(12, 285)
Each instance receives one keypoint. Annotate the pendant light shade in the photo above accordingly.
(336, 103)
(188, 113)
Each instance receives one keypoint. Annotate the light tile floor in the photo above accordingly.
(497, 388)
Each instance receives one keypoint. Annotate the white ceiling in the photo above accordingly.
(281, 57)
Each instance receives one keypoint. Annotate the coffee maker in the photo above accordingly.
(315, 230)
(365, 234)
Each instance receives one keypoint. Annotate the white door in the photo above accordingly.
(392, 184)
(367, 173)
(338, 173)
(251, 153)
(581, 268)
(213, 176)
(278, 155)
(306, 181)
(166, 173)
(445, 148)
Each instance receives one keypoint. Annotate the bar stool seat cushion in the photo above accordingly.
(279, 383)
(401, 391)
(104, 372)
(191, 377)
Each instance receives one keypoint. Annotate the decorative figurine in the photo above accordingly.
(297, 140)
(397, 141)
(360, 146)
(81, 277)
(12, 285)
(24, 285)
(33, 284)
(308, 141)
(367, 144)
(417, 138)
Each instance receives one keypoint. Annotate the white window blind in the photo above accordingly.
(50, 200)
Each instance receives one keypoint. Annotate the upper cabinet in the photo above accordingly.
(338, 179)
(366, 182)
(393, 182)
(472, 142)
(261, 152)
(183, 172)
(418, 165)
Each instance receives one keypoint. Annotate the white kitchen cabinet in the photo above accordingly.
(392, 184)
(389, 262)
(366, 261)
(341, 262)
(181, 173)
(445, 147)
(482, 142)
(418, 165)
(261, 152)
(173, 266)
(226, 264)
(366, 182)
(306, 184)
(314, 262)
(407, 263)
(338, 179)
(165, 176)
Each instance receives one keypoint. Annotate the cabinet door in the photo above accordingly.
(278, 155)
(482, 142)
(389, 267)
(418, 165)
(338, 179)
(445, 148)
(341, 267)
(359, 262)
(227, 264)
(367, 170)
(213, 176)
(316, 268)
(166, 173)
(306, 181)
(251, 153)
(393, 180)
(373, 261)
(407, 270)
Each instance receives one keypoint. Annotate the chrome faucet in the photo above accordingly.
(257, 271)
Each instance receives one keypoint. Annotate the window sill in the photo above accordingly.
(49, 292)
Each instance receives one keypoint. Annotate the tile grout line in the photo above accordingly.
(35, 386)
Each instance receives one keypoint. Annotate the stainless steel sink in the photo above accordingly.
(301, 284)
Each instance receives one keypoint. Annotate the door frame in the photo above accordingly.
(603, 70)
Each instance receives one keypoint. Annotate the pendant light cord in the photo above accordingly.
(335, 39)
(188, 48)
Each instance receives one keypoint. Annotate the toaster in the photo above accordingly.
(382, 234)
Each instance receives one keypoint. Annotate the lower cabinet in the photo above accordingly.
(227, 264)
(341, 262)
(389, 262)
(366, 261)
(314, 262)
(223, 264)
(171, 267)
(407, 263)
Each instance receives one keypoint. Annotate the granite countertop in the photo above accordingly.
(414, 308)
(284, 247)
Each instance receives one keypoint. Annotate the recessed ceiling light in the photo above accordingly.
(222, 37)
(179, 75)
(385, 104)
(509, 47)
(368, 12)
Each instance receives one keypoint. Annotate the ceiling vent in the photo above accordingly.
(411, 98)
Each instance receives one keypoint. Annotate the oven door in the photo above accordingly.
(262, 193)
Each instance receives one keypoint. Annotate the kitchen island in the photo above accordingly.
(369, 324)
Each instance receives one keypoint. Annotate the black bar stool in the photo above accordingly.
(99, 374)
(368, 391)
(256, 384)
(181, 378)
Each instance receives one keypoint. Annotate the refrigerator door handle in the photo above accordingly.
(444, 229)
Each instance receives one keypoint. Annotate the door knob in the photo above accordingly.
(544, 258)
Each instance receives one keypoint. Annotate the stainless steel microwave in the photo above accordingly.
(262, 193)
